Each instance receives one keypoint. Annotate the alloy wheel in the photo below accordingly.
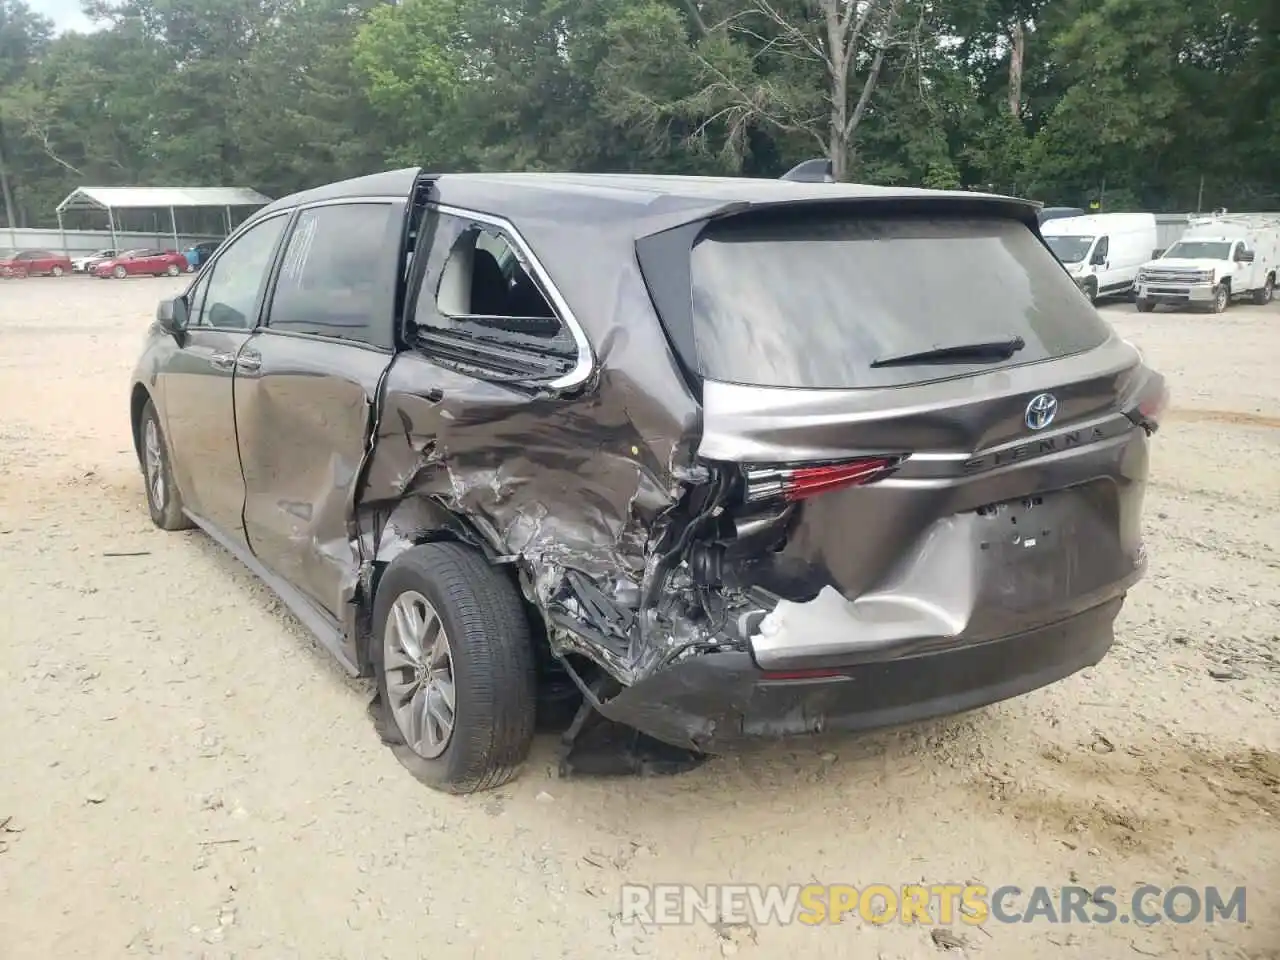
(154, 455)
(419, 672)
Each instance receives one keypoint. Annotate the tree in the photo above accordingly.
(23, 38)
(804, 70)
(1025, 96)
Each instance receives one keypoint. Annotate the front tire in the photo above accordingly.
(163, 500)
(1221, 298)
(454, 662)
(56, 271)
(1144, 306)
(119, 273)
(1091, 290)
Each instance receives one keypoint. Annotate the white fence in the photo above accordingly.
(75, 242)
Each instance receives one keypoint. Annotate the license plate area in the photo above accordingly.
(1029, 549)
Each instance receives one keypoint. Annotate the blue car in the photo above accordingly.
(199, 253)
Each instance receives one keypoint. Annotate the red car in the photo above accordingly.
(141, 263)
(33, 263)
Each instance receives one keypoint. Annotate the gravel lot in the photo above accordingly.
(184, 774)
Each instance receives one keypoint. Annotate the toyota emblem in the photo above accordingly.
(1041, 411)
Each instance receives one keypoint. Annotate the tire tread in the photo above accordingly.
(487, 624)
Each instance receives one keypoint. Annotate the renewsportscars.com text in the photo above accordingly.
(927, 904)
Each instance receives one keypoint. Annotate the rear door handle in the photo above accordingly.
(249, 362)
(223, 361)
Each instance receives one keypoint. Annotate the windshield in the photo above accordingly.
(1069, 249)
(815, 302)
(1198, 250)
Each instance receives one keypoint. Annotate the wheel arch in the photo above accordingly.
(396, 528)
(138, 398)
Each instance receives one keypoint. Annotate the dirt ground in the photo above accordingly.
(183, 773)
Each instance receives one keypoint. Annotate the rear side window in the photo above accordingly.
(813, 303)
(334, 279)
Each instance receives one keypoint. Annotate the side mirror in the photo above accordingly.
(172, 316)
(1246, 256)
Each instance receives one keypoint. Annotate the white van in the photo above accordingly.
(1103, 252)
(1217, 260)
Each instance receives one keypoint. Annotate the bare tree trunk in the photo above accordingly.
(10, 217)
(1018, 38)
(838, 65)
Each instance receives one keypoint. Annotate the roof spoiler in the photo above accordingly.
(818, 170)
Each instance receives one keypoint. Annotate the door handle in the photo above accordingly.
(223, 361)
(249, 362)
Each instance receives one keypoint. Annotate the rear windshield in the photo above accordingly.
(813, 303)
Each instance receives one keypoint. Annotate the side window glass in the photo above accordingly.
(1104, 248)
(334, 279)
(231, 289)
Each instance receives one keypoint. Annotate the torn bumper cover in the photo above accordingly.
(711, 701)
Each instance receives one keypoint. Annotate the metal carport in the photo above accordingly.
(113, 199)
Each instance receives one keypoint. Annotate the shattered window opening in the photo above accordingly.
(489, 317)
(484, 281)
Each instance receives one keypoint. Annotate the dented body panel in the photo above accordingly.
(303, 420)
(643, 505)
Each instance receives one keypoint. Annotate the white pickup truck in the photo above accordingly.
(1218, 259)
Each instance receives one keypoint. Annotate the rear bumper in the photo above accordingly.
(709, 702)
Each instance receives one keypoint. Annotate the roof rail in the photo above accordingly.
(818, 170)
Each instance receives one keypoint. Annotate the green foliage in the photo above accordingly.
(1156, 104)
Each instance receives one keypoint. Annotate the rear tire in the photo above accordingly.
(1265, 295)
(163, 499)
(1221, 298)
(491, 668)
(1145, 306)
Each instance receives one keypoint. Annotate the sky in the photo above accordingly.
(65, 14)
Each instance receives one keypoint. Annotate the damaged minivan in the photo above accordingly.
(725, 458)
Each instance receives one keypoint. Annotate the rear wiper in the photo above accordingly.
(991, 351)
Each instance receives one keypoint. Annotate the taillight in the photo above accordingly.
(1152, 404)
(799, 483)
